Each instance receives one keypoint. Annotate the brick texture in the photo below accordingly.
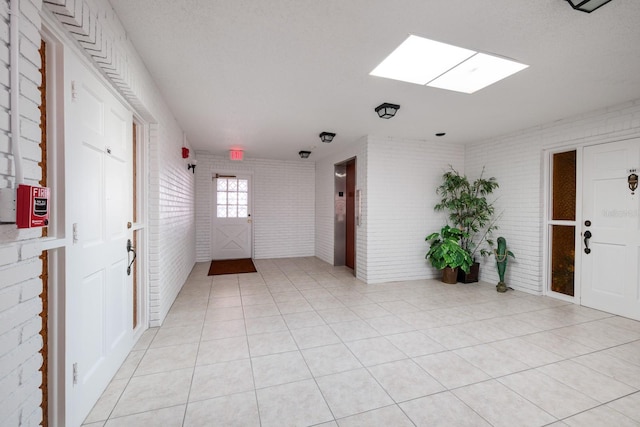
(283, 205)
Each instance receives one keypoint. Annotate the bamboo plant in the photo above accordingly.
(469, 210)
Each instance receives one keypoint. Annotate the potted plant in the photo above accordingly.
(470, 211)
(446, 254)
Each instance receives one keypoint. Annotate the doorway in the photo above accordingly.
(232, 228)
(593, 227)
(345, 214)
(100, 216)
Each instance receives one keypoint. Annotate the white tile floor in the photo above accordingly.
(302, 343)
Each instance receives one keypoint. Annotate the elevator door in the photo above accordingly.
(350, 238)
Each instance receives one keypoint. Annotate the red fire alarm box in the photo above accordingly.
(32, 206)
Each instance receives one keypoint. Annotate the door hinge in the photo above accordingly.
(75, 373)
(74, 92)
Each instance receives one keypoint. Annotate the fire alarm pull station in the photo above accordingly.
(32, 207)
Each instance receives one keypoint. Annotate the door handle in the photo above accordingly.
(587, 236)
(130, 249)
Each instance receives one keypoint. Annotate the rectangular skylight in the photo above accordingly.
(428, 62)
(477, 72)
(413, 61)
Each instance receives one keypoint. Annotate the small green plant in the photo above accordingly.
(469, 210)
(445, 250)
(502, 255)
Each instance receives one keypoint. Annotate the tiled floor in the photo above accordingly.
(302, 343)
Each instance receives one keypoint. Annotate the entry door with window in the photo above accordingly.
(99, 294)
(232, 224)
(611, 228)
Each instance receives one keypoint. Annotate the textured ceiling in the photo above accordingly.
(269, 76)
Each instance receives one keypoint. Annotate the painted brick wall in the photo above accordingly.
(283, 205)
(171, 220)
(20, 268)
(517, 160)
(402, 176)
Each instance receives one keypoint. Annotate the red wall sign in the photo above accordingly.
(236, 154)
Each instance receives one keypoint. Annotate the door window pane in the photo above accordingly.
(563, 259)
(232, 198)
(564, 186)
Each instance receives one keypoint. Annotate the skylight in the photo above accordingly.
(427, 62)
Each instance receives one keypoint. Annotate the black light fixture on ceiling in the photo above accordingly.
(587, 5)
(386, 110)
(327, 136)
(304, 154)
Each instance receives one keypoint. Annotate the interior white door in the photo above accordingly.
(99, 291)
(611, 263)
(232, 225)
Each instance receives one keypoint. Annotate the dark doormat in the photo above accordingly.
(231, 266)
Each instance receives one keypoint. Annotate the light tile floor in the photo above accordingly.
(302, 343)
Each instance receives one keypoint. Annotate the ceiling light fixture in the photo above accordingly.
(440, 134)
(327, 136)
(428, 62)
(587, 5)
(386, 110)
(304, 154)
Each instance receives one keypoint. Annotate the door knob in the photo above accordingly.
(587, 236)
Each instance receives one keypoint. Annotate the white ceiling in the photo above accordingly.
(269, 76)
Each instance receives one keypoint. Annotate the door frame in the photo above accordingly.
(56, 241)
(548, 222)
(213, 209)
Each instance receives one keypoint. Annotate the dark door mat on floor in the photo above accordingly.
(231, 266)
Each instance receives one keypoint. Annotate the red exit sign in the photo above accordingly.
(236, 154)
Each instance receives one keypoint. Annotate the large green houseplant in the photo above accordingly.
(446, 254)
(470, 211)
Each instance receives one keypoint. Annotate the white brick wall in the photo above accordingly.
(397, 179)
(283, 205)
(402, 176)
(517, 160)
(20, 267)
(171, 220)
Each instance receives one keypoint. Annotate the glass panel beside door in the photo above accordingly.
(562, 223)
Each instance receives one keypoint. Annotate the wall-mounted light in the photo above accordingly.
(327, 136)
(192, 165)
(587, 5)
(386, 110)
(304, 154)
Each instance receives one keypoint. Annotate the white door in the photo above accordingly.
(611, 263)
(99, 290)
(232, 224)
